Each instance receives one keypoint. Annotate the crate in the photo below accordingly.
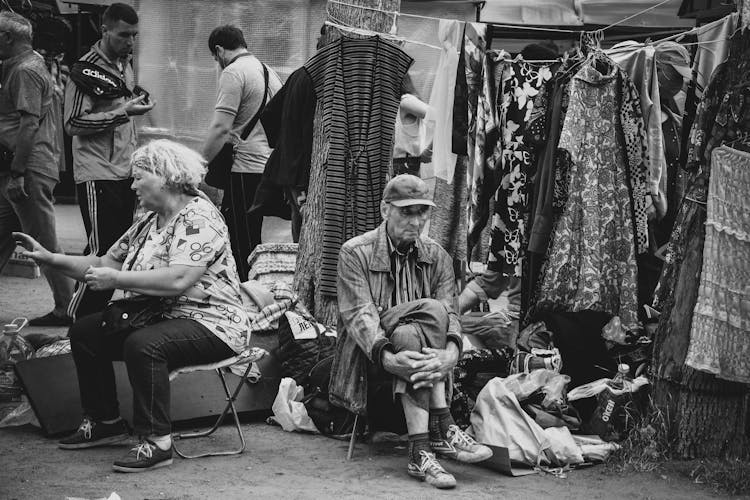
(273, 262)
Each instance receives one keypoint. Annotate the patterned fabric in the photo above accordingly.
(448, 220)
(720, 336)
(519, 85)
(591, 264)
(358, 82)
(634, 134)
(267, 319)
(677, 292)
(197, 236)
(474, 54)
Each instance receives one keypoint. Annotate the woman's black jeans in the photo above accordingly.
(149, 354)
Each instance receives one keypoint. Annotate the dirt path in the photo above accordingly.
(285, 465)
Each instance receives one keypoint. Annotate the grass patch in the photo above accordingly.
(646, 449)
(646, 446)
(728, 476)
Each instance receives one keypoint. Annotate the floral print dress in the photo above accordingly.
(519, 84)
(591, 263)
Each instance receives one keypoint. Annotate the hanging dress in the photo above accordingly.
(720, 335)
(519, 84)
(717, 120)
(358, 82)
(591, 263)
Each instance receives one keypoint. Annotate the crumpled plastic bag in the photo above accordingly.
(289, 411)
(563, 449)
(594, 449)
(499, 420)
(524, 385)
(594, 388)
(20, 415)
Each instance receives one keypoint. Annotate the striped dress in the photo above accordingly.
(358, 82)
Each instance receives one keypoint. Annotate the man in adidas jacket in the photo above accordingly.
(103, 139)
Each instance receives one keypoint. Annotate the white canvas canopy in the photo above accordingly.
(571, 13)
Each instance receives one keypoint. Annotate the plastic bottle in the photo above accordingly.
(622, 374)
(13, 348)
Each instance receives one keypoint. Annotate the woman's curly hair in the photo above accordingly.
(181, 168)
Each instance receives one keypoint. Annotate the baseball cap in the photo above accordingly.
(405, 190)
(676, 56)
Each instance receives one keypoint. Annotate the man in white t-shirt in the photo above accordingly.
(242, 92)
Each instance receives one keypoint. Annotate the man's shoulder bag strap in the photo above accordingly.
(251, 125)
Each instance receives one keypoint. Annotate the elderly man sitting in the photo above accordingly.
(397, 295)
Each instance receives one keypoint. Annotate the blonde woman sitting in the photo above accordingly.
(179, 251)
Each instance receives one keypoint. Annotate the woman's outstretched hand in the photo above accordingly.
(33, 249)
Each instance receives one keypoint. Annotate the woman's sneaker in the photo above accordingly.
(91, 434)
(430, 471)
(461, 447)
(145, 456)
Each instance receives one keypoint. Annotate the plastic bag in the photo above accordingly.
(20, 415)
(523, 385)
(499, 420)
(593, 388)
(554, 390)
(289, 411)
(563, 449)
(594, 449)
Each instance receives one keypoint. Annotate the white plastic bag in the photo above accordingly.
(595, 449)
(499, 420)
(288, 411)
(524, 385)
(563, 449)
(593, 388)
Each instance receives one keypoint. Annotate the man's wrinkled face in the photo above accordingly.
(405, 224)
(120, 37)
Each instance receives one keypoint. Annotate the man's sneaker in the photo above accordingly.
(460, 446)
(429, 470)
(91, 434)
(145, 456)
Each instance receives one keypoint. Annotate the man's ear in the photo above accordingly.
(384, 210)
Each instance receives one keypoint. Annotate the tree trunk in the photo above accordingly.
(707, 417)
(324, 307)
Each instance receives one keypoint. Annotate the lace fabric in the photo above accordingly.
(720, 335)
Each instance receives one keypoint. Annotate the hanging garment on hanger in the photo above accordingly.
(440, 119)
(461, 102)
(551, 178)
(448, 220)
(479, 86)
(709, 55)
(288, 122)
(518, 85)
(359, 83)
(640, 65)
(677, 292)
(634, 136)
(591, 263)
(720, 335)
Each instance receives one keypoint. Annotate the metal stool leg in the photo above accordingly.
(353, 439)
(230, 398)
